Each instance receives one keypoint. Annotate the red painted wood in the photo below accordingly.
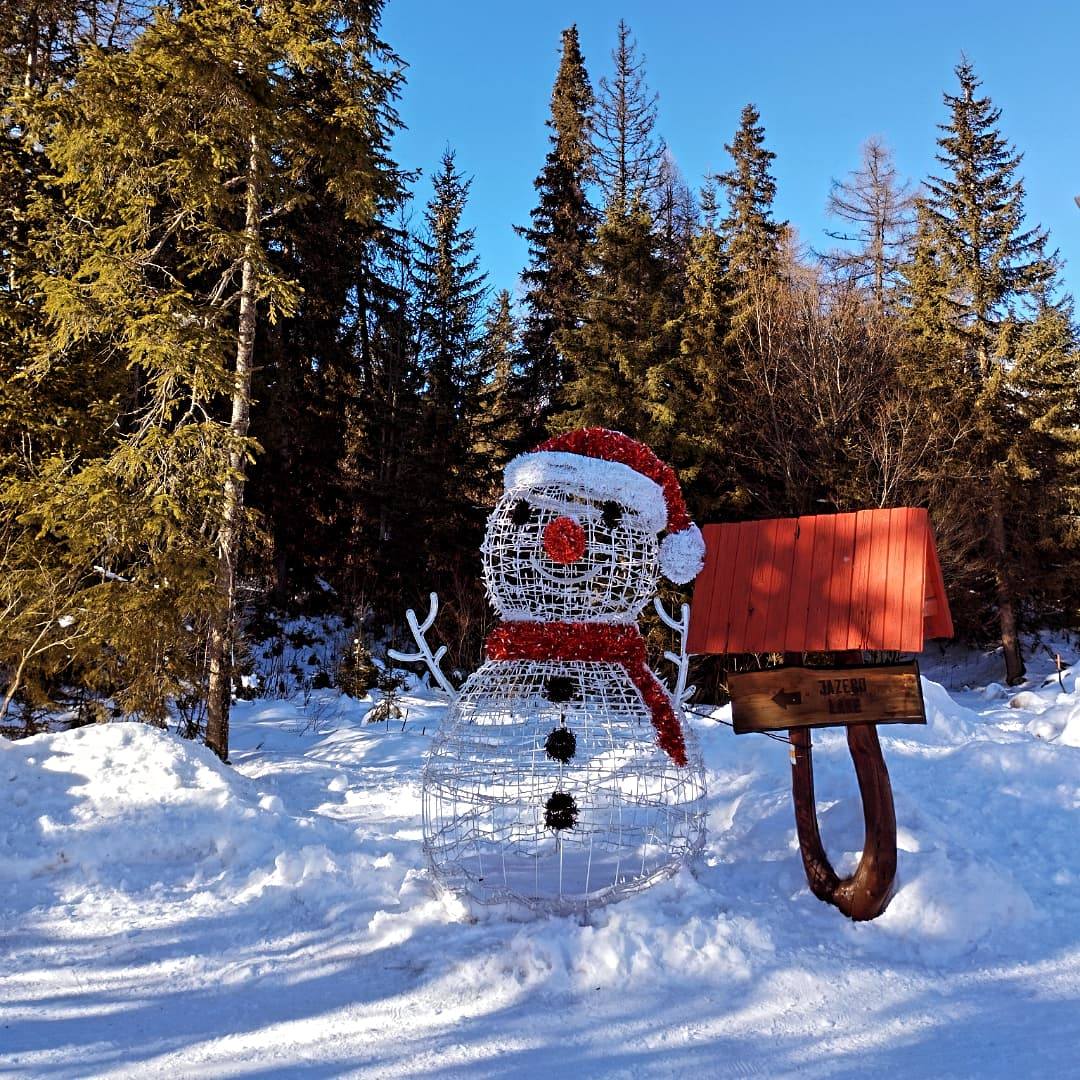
(706, 591)
(939, 623)
(761, 584)
(894, 580)
(799, 598)
(843, 563)
(839, 582)
(817, 616)
(877, 580)
(782, 564)
(858, 625)
(914, 590)
(739, 611)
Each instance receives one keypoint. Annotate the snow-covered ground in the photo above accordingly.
(164, 915)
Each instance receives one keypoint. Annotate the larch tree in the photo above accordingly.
(878, 210)
(562, 227)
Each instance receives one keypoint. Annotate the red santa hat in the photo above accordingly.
(610, 465)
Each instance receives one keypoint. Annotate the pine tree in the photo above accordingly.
(979, 271)
(563, 224)
(629, 152)
(880, 214)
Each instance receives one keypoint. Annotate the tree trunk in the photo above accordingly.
(222, 623)
(1010, 641)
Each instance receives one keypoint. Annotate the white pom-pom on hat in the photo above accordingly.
(682, 555)
(612, 465)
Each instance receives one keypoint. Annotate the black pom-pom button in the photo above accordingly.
(561, 744)
(560, 811)
(560, 688)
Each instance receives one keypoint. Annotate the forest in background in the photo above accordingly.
(242, 375)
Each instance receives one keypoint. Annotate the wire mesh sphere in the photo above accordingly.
(546, 787)
(554, 553)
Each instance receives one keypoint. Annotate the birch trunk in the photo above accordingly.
(222, 623)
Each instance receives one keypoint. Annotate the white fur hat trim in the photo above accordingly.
(597, 478)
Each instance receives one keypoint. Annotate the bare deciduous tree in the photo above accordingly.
(879, 212)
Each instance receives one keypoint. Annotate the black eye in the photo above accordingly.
(612, 513)
(521, 513)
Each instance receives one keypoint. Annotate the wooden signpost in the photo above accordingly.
(858, 698)
(799, 697)
(835, 586)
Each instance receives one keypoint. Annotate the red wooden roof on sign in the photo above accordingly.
(868, 580)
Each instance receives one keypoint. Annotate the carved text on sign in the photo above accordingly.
(799, 697)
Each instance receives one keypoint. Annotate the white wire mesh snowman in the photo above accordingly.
(562, 777)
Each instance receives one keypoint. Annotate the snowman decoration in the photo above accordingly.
(562, 777)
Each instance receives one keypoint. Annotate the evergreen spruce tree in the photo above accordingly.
(977, 273)
(382, 507)
(450, 291)
(1045, 456)
(709, 481)
(563, 224)
(752, 238)
(175, 163)
(499, 424)
(629, 151)
(627, 339)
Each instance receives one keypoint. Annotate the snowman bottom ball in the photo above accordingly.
(546, 787)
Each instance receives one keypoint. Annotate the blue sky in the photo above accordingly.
(824, 76)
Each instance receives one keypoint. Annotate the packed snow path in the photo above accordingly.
(164, 915)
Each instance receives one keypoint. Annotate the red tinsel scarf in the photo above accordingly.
(598, 642)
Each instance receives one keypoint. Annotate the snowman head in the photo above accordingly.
(574, 536)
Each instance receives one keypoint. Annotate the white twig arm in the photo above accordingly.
(424, 653)
(681, 659)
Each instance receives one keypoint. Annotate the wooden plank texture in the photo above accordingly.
(826, 582)
(801, 697)
(706, 592)
(917, 537)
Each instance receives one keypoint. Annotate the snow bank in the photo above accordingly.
(131, 809)
(169, 915)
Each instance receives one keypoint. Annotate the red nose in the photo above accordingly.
(564, 540)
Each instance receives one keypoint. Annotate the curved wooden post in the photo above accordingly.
(866, 893)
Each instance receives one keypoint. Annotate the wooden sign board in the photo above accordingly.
(799, 697)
